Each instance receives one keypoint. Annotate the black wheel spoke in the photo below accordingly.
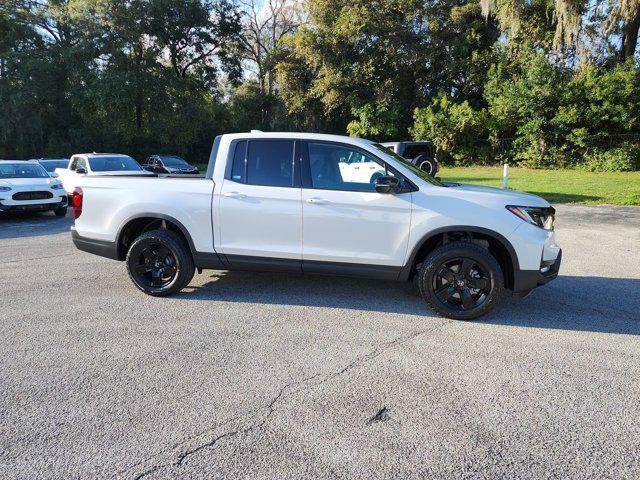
(156, 278)
(169, 271)
(162, 252)
(447, 274)
(144, 268)
(467, 299)
(149, 256)
(466, 266)
(445, 293)
(479, 283)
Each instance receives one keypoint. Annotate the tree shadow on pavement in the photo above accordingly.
(593, 304)
(33, 224)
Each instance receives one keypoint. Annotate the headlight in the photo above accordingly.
(5, 189)
(542, 217)
(56, 186)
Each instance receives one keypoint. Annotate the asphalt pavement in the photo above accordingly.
(265, 376)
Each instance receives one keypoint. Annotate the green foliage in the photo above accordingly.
(541, 115)
(454, 129)
(621, 159)
(136, 76)
(146, 76)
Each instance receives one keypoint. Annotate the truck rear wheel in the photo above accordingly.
(159, 263)
(461, 280)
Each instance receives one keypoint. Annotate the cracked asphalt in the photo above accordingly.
(266, 376)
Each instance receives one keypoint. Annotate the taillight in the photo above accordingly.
(76, 202)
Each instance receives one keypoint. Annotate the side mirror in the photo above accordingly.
(387, 184)
(81, 171)
(54, 175)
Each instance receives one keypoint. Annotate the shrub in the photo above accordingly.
(622, 159)
(454, 128)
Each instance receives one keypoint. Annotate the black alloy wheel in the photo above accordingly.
(160, 263)
(461, 280)
(156, 266)
(461, 284)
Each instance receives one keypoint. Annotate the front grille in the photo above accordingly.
(32, 195)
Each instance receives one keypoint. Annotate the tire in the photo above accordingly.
(461, 280)
(159, 263)
(425, 163)
(60, 212)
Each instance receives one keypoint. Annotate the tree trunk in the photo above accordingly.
(630, 37)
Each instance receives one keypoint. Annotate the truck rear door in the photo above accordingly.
(260, 209)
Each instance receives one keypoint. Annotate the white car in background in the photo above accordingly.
(356, 167)
(97, 164)
(27, 187)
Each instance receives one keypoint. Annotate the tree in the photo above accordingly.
(621, 17)
(263, 31)
(196, 33)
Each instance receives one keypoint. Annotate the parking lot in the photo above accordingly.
(264, 376)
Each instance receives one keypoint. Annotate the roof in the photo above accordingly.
(302, 136)
(409, 142)
(94, 154)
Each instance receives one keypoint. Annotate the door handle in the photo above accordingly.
(234, 195)
(317, 201)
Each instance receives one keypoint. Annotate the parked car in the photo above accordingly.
(421, 154)
(168, 164)
(280, 202)
(96, 164)
(50, 164)
(27, 187)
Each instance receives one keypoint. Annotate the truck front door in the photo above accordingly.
(347, 226)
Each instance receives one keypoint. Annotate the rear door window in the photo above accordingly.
(269, 163)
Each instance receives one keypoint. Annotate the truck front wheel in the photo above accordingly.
(461, 280)
(159, 263)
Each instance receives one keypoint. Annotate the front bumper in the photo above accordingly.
(524, 281)
(15, 206)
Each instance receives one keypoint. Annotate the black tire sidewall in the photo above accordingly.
(180, 251)
(421, 158)
(457, 250)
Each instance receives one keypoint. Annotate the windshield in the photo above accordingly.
(22, 170)
(406, 163)
(113, 164)
(51, 165)
(174, 162)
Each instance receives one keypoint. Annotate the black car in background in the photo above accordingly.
(168, 164)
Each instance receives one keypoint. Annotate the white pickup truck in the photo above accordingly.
(293, 202)
(100, 164)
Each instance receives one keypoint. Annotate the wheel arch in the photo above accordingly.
(142, 222)
(498, 246)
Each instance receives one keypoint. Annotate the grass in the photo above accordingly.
(556, 186)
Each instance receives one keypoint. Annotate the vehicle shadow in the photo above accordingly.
(593, 304)
(33, 224)
(556, 197)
